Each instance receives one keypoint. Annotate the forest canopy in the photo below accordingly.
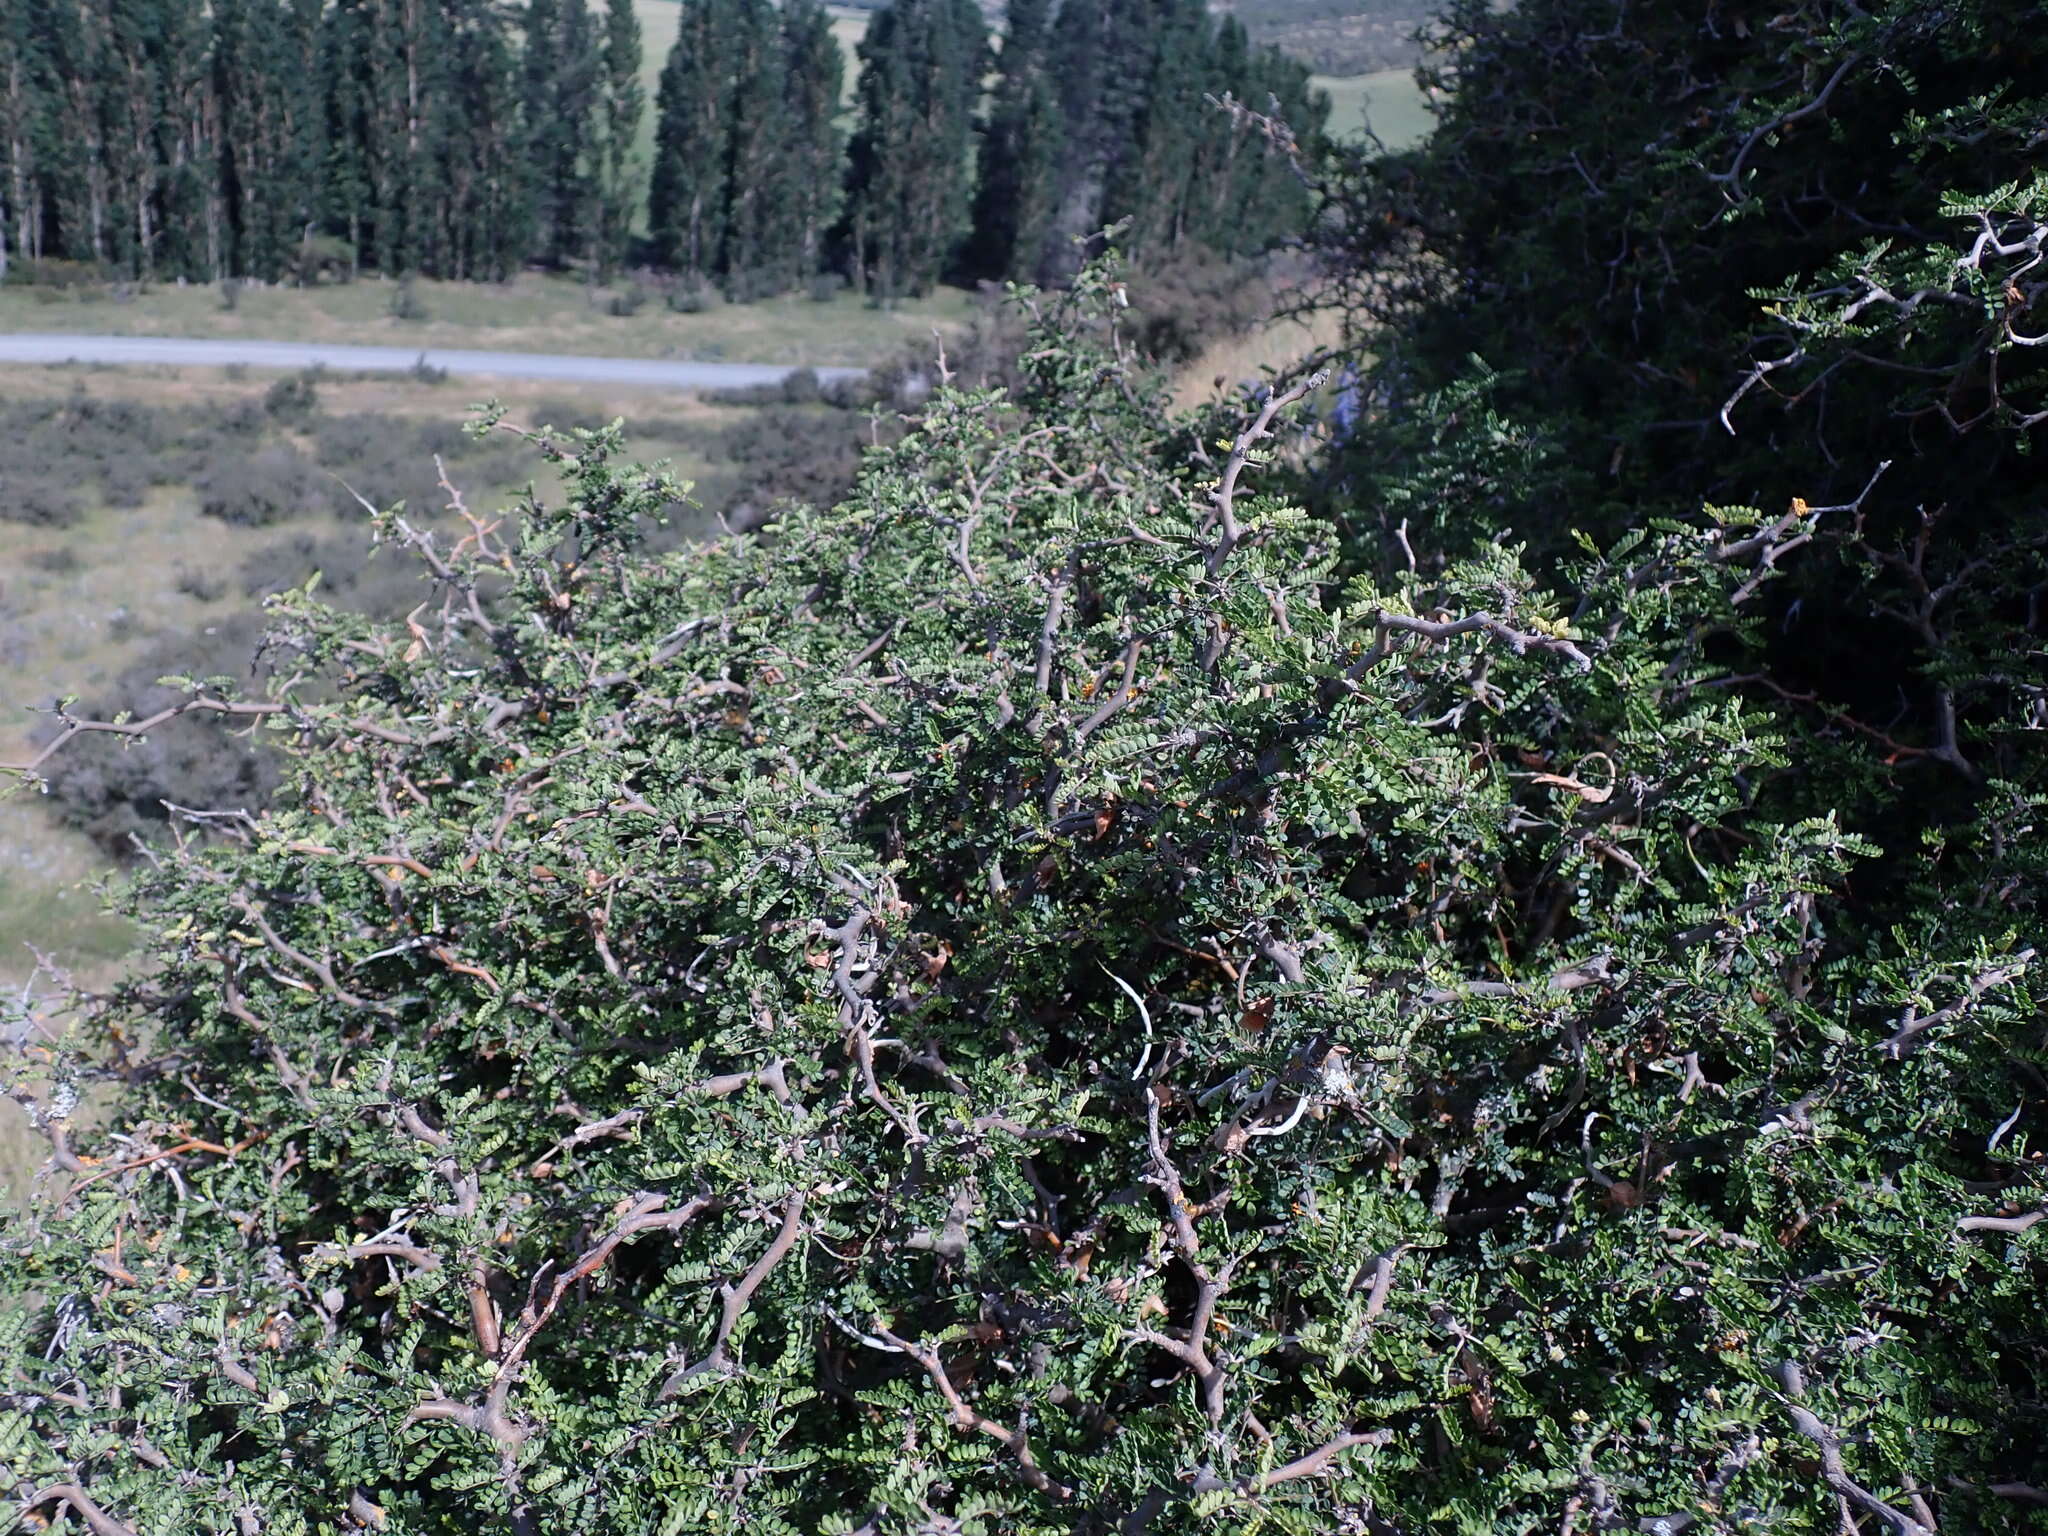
(1442, 945)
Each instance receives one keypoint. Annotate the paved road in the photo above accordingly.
(180, 352)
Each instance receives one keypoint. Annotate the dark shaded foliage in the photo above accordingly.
(1062, 1010)
(266, 485)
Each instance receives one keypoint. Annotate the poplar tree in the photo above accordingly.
(1020, 149)
(909, 187)
(620, 102)
(688, 193)
(747, 147)
(263, 58)
(482, 215)
(384, 120)
(815, 77)
(1129, 126)
(755, 136)
(1100, 66)
(24, 132)
(561, 66)
(347, 110)
(1149, 180)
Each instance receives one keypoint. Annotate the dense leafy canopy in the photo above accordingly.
(1068, 994)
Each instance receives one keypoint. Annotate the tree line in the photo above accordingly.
(206, 140)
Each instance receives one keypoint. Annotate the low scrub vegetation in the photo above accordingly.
(1447, 945)
(268, 460)
(1048, 982)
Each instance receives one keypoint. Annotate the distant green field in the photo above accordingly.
(1390, 101)
(535, 312)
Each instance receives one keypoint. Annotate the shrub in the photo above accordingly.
(341, 441)
(406, 304)
(1031, 1001)
(125, 481)
(55, 275)
(242, 418)
(201, 585)
(295, 398)
(323, 258)
(62, 560)
(269, 485)
(117, 792)
(692, 297)
(38, 503)
(780, 453)
(752, 285)
(800, 387)
(630, 302)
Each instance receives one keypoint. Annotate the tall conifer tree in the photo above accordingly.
(481, 225)
(25, 124)
(562, 67)
(756, 134)
(1020, 151)
(1100, 65)
(690, 189)
(909, 186)
(263, 65)
(1149, 177)
(348, 177)
(816, 73)
(621, 102)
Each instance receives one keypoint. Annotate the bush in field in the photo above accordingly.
(117, 792)
(271, 484)
(295, 398)
(37, 503)
(323, 258)
(1030, 1001)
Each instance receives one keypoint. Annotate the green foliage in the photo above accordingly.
(1787, 261)
(910, 161)
(1122, 113)
(274, 140)
(1036, 1000)
(747, 149)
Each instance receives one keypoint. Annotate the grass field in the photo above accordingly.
(535, 312)
(1389, 100)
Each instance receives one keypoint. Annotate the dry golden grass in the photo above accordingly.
(1240, 359)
